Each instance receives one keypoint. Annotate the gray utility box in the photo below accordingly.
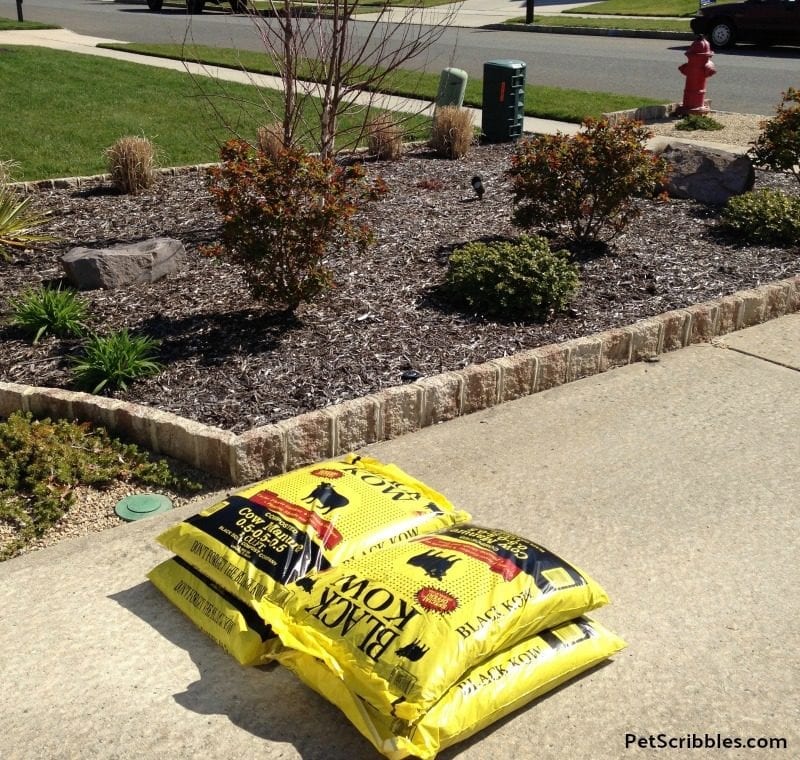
(452, 86)
(503, 100)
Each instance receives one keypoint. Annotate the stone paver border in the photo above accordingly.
(392, 412)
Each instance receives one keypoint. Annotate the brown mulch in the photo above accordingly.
(233, 363)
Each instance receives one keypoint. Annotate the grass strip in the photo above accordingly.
(12, 25)
(627, 24)
(640, 8)
(542, 102)
(62, 110)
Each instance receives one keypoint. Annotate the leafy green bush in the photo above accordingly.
(520, 279)
(693, 122)
(587, 182)
(42, 461)
(283, 214)
(778, 145)
(764, 216)
(115, 360)
(41, 310)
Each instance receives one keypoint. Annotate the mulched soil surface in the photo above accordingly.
(233, 363)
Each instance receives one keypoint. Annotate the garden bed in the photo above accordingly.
(237, 364)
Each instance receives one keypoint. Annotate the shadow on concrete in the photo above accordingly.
(267, 702)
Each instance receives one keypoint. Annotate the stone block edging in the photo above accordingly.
(392, 412)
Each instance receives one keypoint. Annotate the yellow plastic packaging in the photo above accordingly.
(402, 625)
(491, 690)
(228, 621)
(279, 530)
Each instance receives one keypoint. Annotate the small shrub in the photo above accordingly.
(385, 138)
(698, 122)
(18, 222)
(764, 216)
(283, 215)
(269, 139)
(42, 461)
(48, 310)
(131, 163)
(115, 360)
(586, 182)
(452, 132)
(778, 145)
(523, 279)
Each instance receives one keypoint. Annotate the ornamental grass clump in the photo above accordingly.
(132, 164)
(385, 138)
(42, 310)
(113, 361)
(514, 280)
(452, 133)
(41, 463)
(585, 186)
(282, 215)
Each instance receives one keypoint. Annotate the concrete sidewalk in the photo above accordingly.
(676, 484)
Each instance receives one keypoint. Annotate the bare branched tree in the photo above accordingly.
(334, 58)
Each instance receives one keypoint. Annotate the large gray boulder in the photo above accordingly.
(146, 261)
(707, 175)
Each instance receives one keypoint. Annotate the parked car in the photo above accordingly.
(763, 21)
(196, 6)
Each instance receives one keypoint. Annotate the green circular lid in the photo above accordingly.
(142, 505)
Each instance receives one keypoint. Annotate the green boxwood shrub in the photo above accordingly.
(520, 279)
(764, 216)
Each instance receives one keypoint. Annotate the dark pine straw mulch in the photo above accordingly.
(234, 363)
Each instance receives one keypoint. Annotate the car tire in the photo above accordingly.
(155, 5)
(195, 6)
(722, 35)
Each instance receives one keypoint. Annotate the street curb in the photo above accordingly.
(589, 31)
(395, 411)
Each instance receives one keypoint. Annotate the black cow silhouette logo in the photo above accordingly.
(413, 651)
(307, 584)
(433, 563)
(327, 496)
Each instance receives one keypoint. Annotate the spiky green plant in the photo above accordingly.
(115, 360)
(48, 310)
(18, 222)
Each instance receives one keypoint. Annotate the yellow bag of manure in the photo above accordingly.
(400, 626)
(489, 691)
(228, 621)
(277, 531)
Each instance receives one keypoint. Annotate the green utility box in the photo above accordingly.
(503, 100)
(452, 86)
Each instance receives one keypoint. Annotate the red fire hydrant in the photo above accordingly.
(696, 70)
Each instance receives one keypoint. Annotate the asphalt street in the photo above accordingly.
(748, 79)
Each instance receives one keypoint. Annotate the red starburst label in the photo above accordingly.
(327, 474)
(436, 600)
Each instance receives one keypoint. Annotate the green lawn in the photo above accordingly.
(628, 24)
(544, 102)
(61, 110)
(686, 8)
(7, 24)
